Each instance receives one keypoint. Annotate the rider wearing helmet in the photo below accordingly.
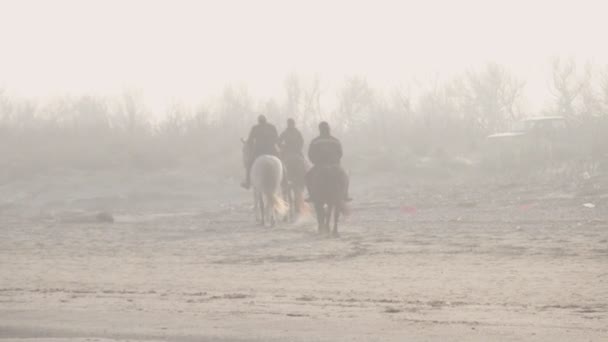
(263, 139)
(324, 150)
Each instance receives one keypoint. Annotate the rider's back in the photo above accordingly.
(292, 141)
(264, 138)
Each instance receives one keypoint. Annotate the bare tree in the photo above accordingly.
(492, 96)
(6, 108)
(436, 113)
(402, 100)
(303, 101)
(131, 114)
(175, 121)
(294, 96)
(236, 109)
(603, 92)
(590, 100)
(355, 102)
(398, 112)
(311, 108)
(566, 86)
(89, 115)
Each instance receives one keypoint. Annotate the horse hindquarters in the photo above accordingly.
(266, 176)
(328, 185)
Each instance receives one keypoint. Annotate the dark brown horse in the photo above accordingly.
(328, 185)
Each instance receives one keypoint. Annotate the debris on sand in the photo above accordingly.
(589, 205)
(411, 210)
(105, 216)
(76, 217)
(306, 298)
(467, 204)
(295, 315)
(391, 310)
(526, 206)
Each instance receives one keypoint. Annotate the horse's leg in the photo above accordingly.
(271, 211)
(256, 205)
(297, 201)
(330, 210)
(262, 208)
(286, 196)
(337, 211)
(292, 204)
(320, 210)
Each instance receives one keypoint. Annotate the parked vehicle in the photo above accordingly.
(543, 126)
(531, 140)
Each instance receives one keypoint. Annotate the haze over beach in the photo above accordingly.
(303, 171)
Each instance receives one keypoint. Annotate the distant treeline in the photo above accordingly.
(387, 129)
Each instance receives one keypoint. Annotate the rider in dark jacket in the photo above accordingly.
(291, 141)
(324, 150)
(262, 139)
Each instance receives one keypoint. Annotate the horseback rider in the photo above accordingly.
(291, 141)
(263, 139)
(324, 150)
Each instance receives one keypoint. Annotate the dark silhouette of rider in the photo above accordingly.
(291, 141)
(263, 139)
(324, 150)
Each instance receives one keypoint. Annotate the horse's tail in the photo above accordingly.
(278, 204)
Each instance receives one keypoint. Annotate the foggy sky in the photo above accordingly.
(186, 50)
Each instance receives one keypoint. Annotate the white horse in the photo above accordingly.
(266, 178)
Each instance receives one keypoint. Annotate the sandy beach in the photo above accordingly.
(184, 261)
